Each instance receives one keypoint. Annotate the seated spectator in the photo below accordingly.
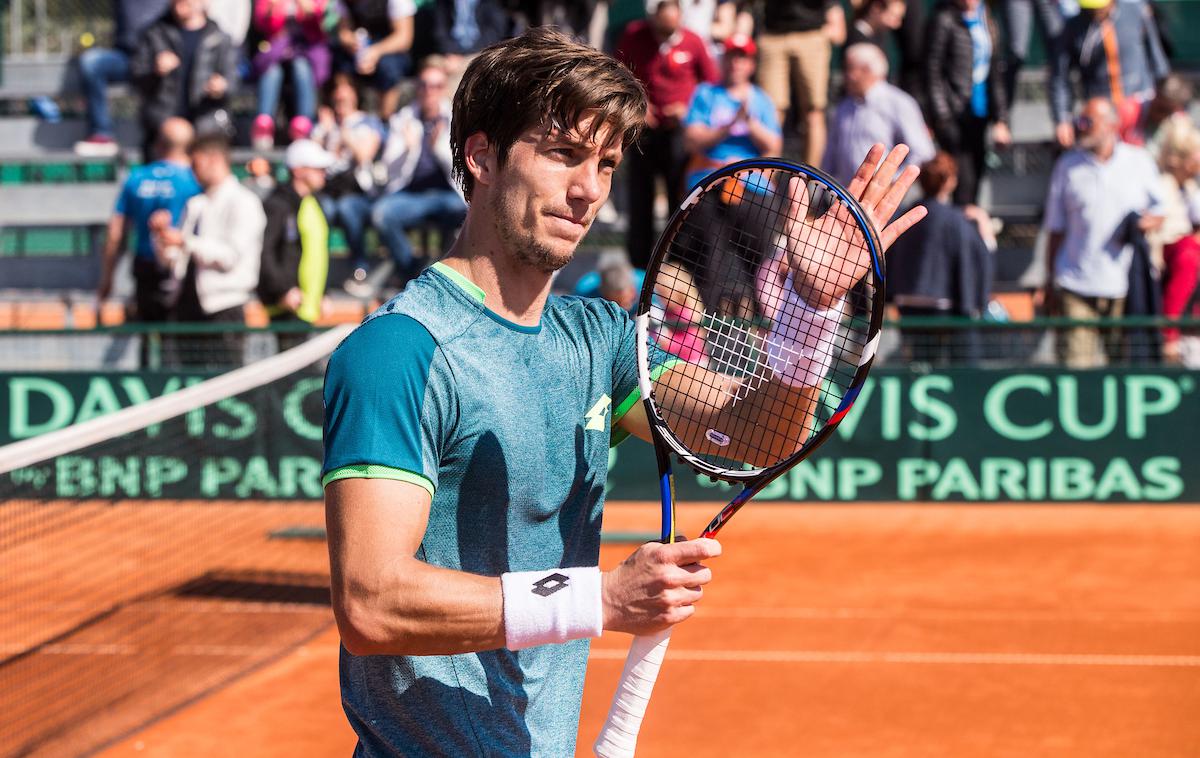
(1093, 189)
(100, 67)
(1180, 163)
(670, 62)
(1116, 50)
(728, 122)
(797, 39)
(164, 185)
(943, 267)
(376, 38)
(214, 254)
(295, 254)
(293, 42)
(420, 187)
(353, 137)
(964, 76)
(613, 279)
(458, 30)
(872, 111)
(185, 66)
(875, 21)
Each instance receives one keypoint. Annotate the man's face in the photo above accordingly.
(666, 19)
(544, 198)
(344, 98)
(1097, 126)
(431, 91)
(186, 10)
(739, 68)
(893, 14)
(626, 298)
(313, 178)
(207, 166)
(859, 78)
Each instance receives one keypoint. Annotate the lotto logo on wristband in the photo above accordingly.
(548, 585)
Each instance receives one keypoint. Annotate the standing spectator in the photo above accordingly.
(1116, 49)
(293, 41)
(420, 186)
(165, 185)
(942, 268)
(872, 111)
(1180, 162)
(185, 66)
(876, 21)
(215, 254)
(965, 76)
(376, 37)
(1019, 16)
(353, 137)
(669, 61)
(295, 253)
(798, 37)
(101, 66)
(1093, 188)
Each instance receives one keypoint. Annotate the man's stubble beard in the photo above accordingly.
(521, 243)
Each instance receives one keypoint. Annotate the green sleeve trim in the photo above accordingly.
(468, 286)
(619, 435)
(372, 471)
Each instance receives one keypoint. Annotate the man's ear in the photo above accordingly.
(480, 158)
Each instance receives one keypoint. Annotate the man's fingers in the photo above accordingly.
(882, 181)
(691, 551)
(901, 225)
(866, 170)
(895, 194)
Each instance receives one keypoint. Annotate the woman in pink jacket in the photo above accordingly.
(293, 39)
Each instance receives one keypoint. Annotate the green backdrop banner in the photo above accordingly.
(946, 435)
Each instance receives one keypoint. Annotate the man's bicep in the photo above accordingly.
(371, 522)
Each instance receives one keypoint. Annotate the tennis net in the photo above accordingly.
(151, 554)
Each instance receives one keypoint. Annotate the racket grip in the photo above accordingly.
(618, 736)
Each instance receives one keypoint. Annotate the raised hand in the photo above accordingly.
(828, 254)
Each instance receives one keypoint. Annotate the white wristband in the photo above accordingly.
(555, 605)
(800, 345)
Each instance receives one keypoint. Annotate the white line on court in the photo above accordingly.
(951, 614)
(882, 656)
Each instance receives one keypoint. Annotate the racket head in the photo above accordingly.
(706, 300)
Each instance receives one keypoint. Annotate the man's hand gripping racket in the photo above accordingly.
(757, 324)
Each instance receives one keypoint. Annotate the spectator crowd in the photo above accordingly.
(359, 92)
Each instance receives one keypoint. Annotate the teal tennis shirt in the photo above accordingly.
(509, 428)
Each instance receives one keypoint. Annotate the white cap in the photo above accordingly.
(304, 153)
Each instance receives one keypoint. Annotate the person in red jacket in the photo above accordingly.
(669, 61)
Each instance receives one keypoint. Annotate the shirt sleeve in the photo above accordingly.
(125, 198)
(1056, 210)
(398, 9)
(387, 404)
(700, 111)
(626, 392)
(764, 111)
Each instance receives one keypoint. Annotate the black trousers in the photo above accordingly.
(659, 152)
(970, 153)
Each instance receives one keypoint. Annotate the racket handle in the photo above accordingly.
(618, 736)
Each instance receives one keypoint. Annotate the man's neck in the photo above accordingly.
(1104, 152)
(193, 23)
(512, 289)
(210, 189)
(301, 188)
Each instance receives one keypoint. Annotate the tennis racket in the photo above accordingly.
(714, 346)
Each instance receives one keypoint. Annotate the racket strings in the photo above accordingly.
(722, 299)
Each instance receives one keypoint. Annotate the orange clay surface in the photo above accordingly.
(880, 630)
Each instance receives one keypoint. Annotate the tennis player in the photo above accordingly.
(467, 431)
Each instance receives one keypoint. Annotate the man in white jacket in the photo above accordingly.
(215, 255)
(420, 190)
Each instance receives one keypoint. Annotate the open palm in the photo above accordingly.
(828, 254)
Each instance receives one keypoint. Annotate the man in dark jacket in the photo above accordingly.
(295, 256)
(102, 66)
(184, 66)
(964, 73)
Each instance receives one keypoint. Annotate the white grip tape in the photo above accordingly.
(809, 335)
(618, 736)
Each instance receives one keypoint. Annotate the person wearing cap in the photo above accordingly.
(1116, 50)
(295, 253)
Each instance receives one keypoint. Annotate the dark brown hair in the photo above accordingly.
(211, 142)
(541, 77)
(938, 170)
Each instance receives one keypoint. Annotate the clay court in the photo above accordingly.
(881, 630)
